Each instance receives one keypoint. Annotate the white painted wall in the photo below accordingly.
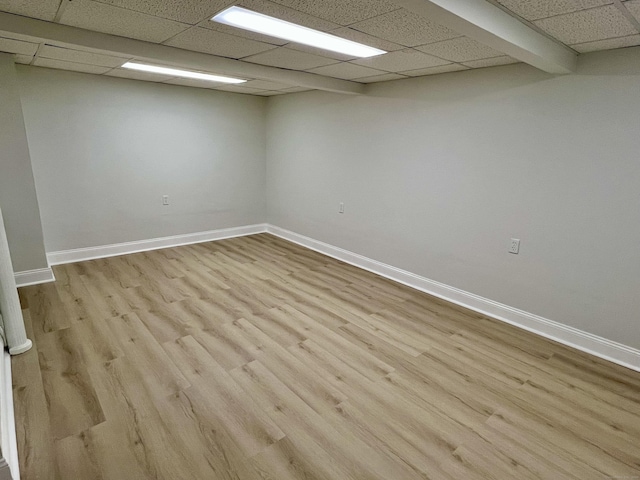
(438, 173)
(17, 190)
(105, 150)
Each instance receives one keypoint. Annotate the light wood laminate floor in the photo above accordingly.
(254, 358)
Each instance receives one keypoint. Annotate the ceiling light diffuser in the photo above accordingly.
(259, 23)
(175, 72)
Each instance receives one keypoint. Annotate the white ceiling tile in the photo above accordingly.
(634, 7)
(76, 67)
(406, 28)
(9, 45)
(452, 67)
(341, 12)
(265, 85)
(283, 57)
(366, 39)
(185, 11)
(401, 60)
(346, 71)
(380, 78)
(217, 43)
(77, 56)
(588, 25)
(491, 62)
(537, 9)
(118, 21)
(23, 59)
(42, 9)
(460, 49)
(620, 42)
(136, 75)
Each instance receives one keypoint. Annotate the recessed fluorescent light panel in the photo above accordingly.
(257, 22)
(175, 72)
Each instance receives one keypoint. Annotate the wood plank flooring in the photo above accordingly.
(254, 358)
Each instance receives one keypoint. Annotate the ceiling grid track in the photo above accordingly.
(61, 9)
(529, 24)
(38, 52)
(627, 14)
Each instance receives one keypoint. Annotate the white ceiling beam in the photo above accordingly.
(492, 26)
(37, 31)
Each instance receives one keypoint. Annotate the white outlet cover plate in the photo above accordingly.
(514, 245)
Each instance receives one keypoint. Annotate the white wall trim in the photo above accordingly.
(7, 417)
(103, 251)
(570, 336)
(34, 277)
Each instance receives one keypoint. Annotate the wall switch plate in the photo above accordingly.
(165, 199)
(514, 246)
(341, 208)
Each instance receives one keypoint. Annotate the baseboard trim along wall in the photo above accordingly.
(570, 336)
(34, 277)
(8, 440)
(104, 251)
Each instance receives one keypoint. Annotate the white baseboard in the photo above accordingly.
(570, 336)
(8, 440)
(573, 337)
(34, 277)
(103, 251)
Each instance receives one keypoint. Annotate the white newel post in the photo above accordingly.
(10, 310)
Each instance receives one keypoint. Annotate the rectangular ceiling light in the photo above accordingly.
(175, 72)
(257, 22)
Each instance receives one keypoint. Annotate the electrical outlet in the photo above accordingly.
(165, 199)
(514, 246)
(341, 208)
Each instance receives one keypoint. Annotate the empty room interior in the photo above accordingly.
(320, 239)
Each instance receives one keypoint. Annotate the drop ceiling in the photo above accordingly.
(416, 44)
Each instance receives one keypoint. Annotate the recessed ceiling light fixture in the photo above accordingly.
(175, 72)
(257, 22)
